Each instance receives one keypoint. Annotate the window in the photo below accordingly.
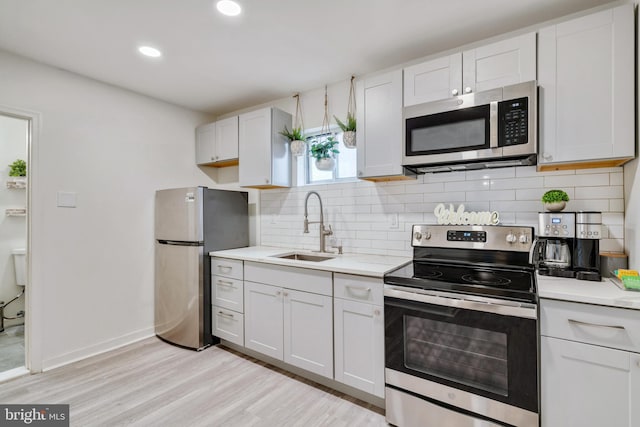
(344, 170)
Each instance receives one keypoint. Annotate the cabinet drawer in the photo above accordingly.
(300, 279)
(592, 324)
(358, 288)
(227, 267)
(228, 325)
(227, 293)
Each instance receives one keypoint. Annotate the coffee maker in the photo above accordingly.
(568, 245)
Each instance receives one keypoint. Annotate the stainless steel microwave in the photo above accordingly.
(494, 128)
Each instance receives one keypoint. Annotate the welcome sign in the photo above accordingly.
(451, 216)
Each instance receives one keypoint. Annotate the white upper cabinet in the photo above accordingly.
(227, 139)
(586, 79)
(379, 117)
(433, 80)
(206, 144)
(265, 161)
(495, 65)
(217, 143)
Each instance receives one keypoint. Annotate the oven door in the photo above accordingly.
(478, 353)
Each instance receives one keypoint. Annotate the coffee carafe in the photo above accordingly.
(552, 253)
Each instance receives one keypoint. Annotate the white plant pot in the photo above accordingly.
(325, 164)
(298, 147)
(555, 206)
(349, 139)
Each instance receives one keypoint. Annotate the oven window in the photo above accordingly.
(467, 355)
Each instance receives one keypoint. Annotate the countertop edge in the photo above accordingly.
(356, 264)
(602, 293)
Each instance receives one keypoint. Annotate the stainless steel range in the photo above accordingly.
(461, 329)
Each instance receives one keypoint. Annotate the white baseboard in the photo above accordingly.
(93, 350)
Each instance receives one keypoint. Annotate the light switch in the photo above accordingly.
(66, 199)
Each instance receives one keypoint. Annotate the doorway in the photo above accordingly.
(14, 156)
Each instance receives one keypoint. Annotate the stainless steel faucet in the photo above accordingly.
(323, 232)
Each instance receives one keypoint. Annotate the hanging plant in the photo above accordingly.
(296, 136)
(324, 150)
(349, 126)
(18, 168)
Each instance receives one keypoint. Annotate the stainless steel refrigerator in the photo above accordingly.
(189, 223)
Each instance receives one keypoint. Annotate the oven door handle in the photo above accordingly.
(432, 309)
(506, 308)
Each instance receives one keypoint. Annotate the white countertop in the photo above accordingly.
(600, 293)
(360, 264)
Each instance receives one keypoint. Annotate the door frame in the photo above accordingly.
(33, 295)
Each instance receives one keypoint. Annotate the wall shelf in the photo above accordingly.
(17, 183)
(16, 212)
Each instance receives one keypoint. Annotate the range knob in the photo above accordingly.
(511, 238)
(417, 236)
(524, 238)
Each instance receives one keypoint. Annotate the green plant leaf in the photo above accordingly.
(553, 196)
(18, 168)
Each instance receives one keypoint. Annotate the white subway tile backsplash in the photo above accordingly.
(491, 174)
(576, 180)
(604, 192)
(363, 213)
(503, 184)
(479, 185)
(616, 205)
(491, 195)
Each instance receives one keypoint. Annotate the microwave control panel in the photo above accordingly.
(513, 116)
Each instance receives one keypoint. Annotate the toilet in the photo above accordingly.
(20, 264)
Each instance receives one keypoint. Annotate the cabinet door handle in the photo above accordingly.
(454, 92)
(578, 322)
(286, 294)
(225, 283)
(225, 268)
(221, 313)
(358, 288)
(467, 89)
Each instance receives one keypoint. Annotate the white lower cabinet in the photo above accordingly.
(359, 332)
(228, 325)
(590, 365)
(264, 319)
(290, 325)
(308, 331)
(359, 342)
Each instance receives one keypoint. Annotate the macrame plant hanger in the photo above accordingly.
(298, 146)
(325, 137)
(349, 135)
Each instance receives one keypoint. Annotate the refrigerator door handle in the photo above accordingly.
(179, 243)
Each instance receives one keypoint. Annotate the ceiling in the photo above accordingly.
(219, 64)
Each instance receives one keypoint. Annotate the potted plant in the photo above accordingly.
(296, 137)
(349, 130)
(18, 168)
(324, 151)
(555, 200)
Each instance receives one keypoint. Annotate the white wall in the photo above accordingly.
(92, 266)
(363, 213)
(13, 230)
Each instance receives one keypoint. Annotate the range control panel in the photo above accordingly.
(466, 236)
(488, 237)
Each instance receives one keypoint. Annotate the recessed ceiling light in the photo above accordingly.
(228, 7)
(149, 51)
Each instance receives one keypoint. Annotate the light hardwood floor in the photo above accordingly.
(152, 383)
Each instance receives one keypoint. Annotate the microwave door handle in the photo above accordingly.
(493, 124)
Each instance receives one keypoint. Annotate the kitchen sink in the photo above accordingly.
(303, 257)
